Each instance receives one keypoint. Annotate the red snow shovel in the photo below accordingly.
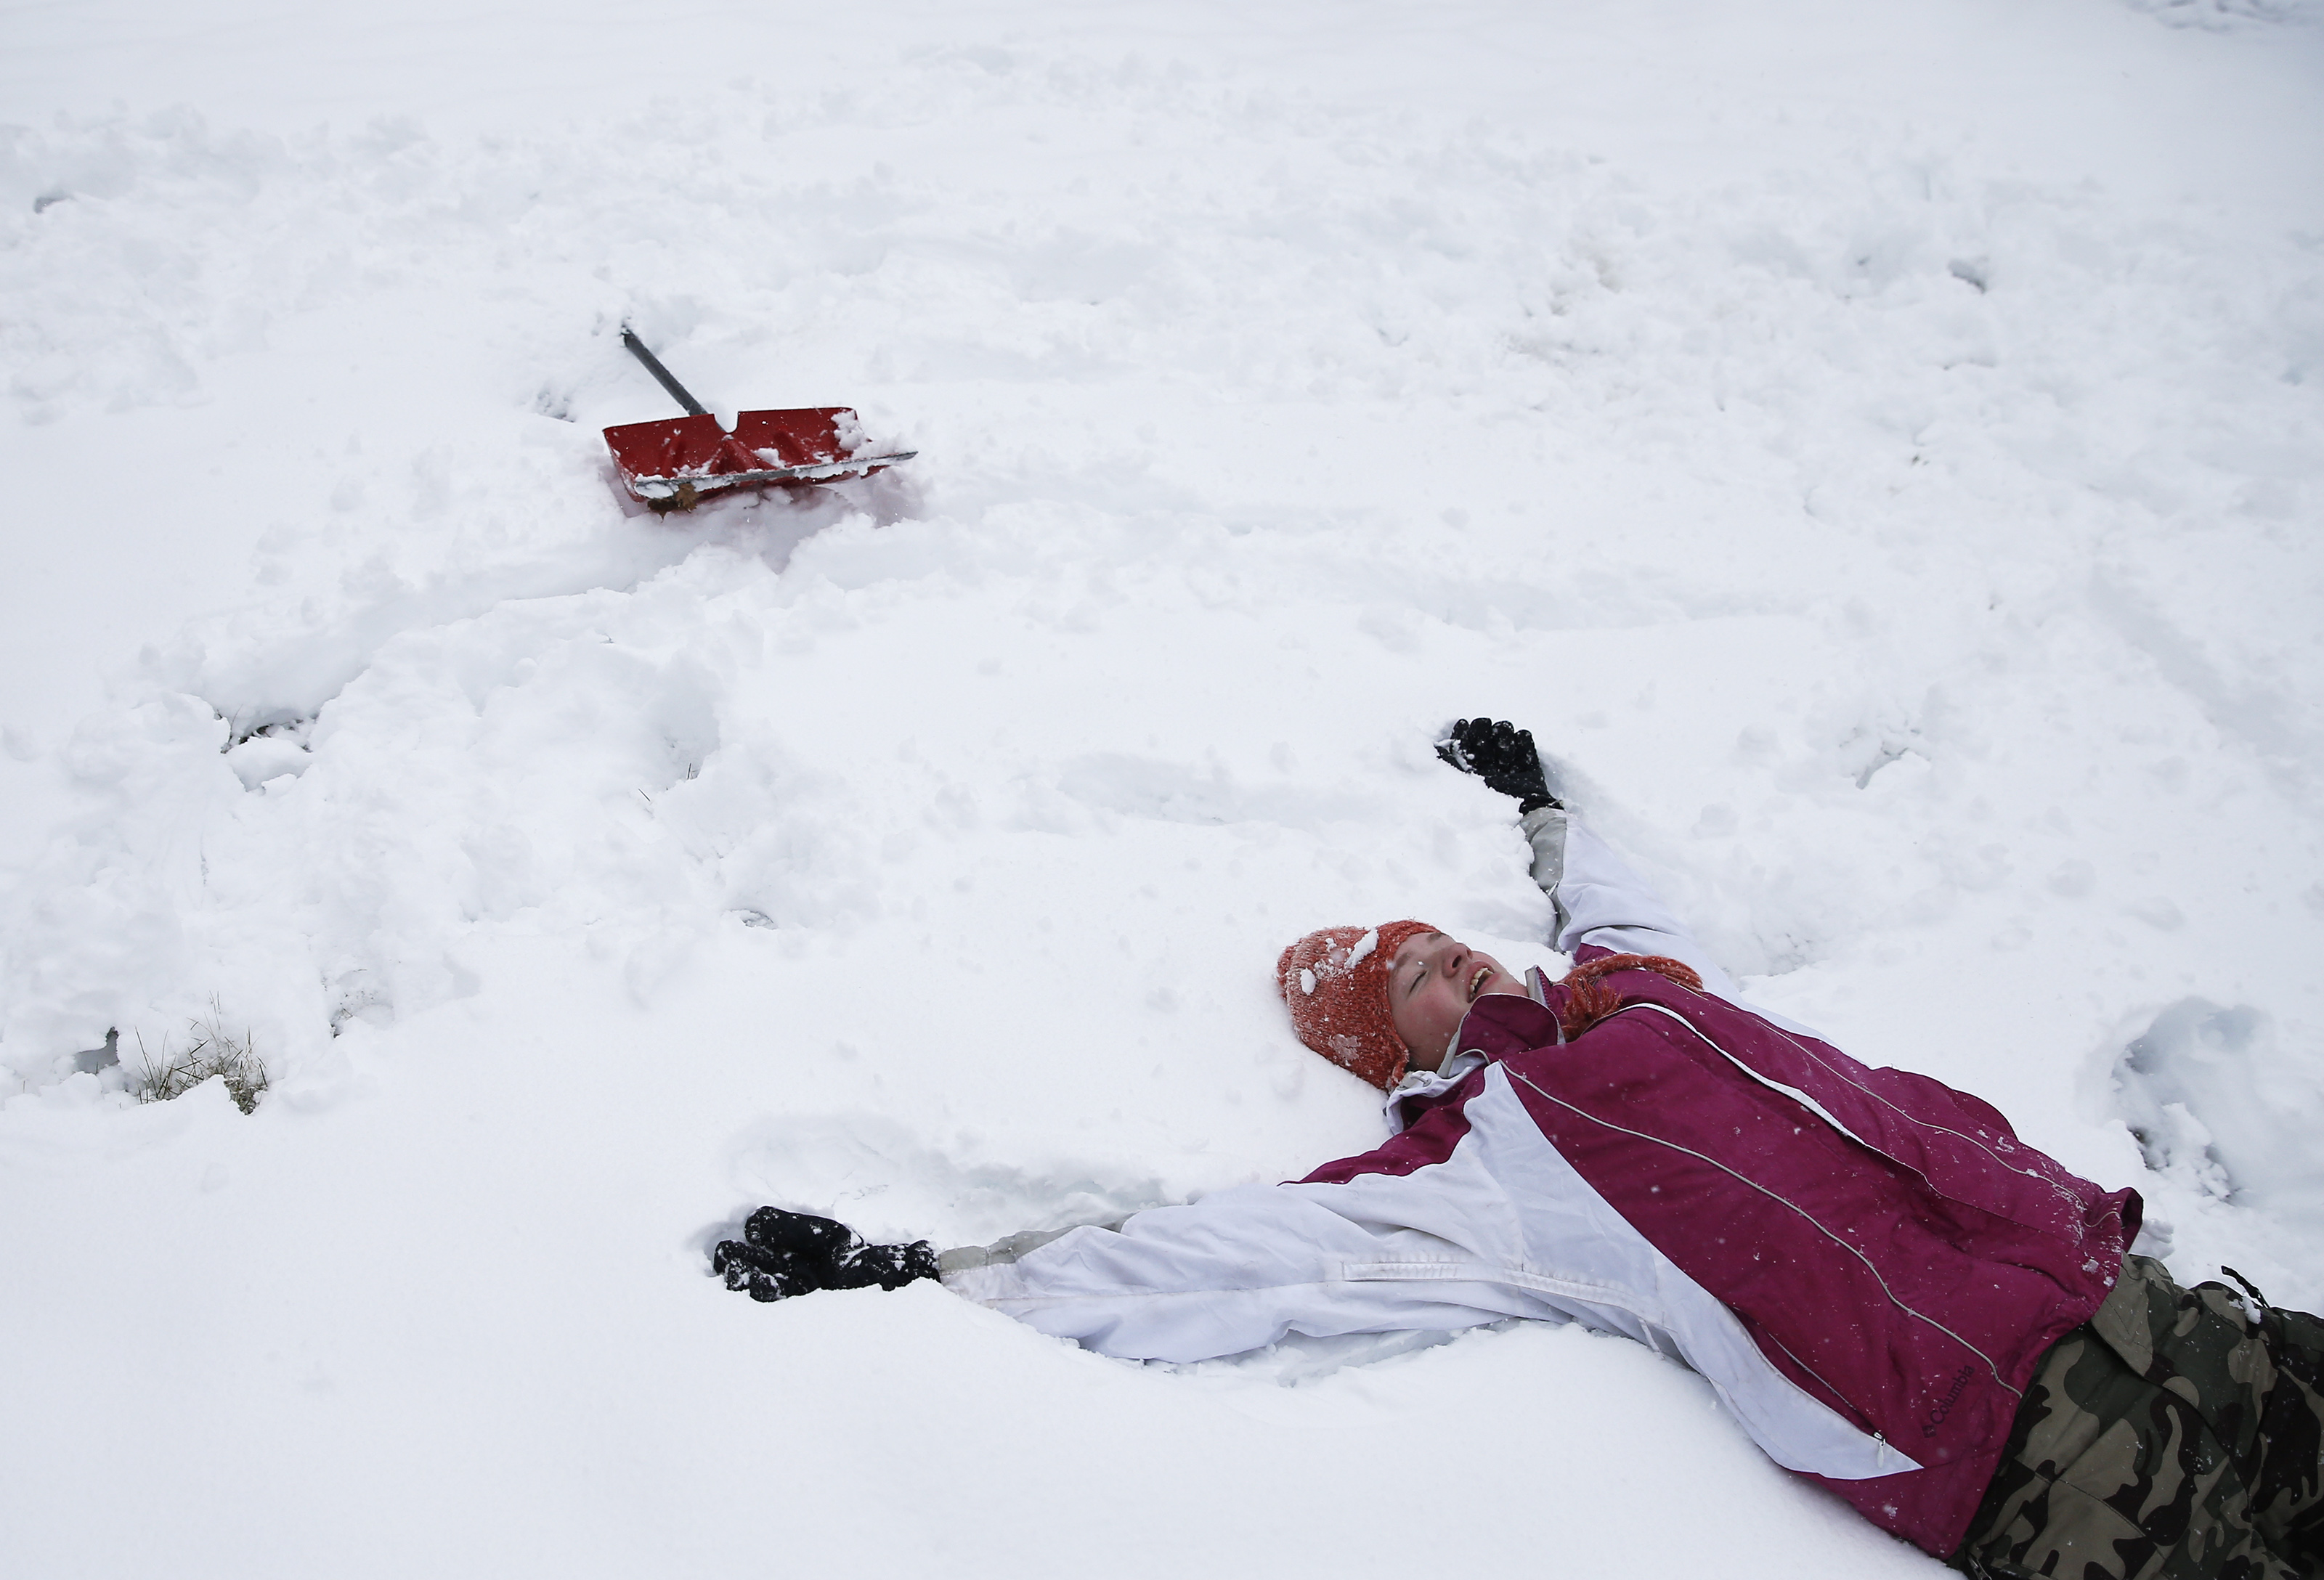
(671, 463)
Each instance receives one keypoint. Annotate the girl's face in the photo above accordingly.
(1431, 983)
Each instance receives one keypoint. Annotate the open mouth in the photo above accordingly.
(1477, 983)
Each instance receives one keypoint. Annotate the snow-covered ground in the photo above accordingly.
(1879, 451)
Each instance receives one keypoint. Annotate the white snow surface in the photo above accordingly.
(1879, 451)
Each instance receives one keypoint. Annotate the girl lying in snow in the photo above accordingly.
(1894, 1295)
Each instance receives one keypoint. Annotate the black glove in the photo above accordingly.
(1503, 755)
(785, 1253)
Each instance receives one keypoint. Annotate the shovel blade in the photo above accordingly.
(672, 463)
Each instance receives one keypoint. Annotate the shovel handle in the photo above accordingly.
(661, 374)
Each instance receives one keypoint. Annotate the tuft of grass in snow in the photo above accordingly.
(214, 1053)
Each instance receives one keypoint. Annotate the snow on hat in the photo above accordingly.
(1334, 982)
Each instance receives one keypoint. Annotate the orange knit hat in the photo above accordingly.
(1334, 982)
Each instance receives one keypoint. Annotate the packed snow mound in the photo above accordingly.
(2221, 16)
(2216, 1100)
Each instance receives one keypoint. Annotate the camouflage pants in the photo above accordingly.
(2171, 1437)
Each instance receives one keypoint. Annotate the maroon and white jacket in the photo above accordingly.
(1866, 1264)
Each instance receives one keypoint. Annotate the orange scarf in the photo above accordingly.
(1589, 1000)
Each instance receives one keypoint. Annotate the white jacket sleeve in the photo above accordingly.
(1600, 901)
(1239, 1269)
